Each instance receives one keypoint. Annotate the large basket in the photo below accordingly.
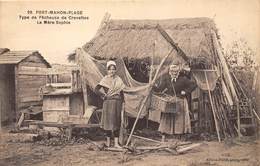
(167, 104)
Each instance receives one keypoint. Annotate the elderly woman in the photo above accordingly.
(110, 90)
(180, 86)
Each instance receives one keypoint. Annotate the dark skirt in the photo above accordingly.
(176, 123)
(111, 114)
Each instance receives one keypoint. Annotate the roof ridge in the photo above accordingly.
(165, 19)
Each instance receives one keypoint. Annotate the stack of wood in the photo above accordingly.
(245, 106)
(222, 110)
(230, 111)
(224, 97)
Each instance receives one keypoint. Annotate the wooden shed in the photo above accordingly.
(22, 73)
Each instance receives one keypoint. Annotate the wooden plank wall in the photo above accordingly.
(31, 75)
(76, 104)
(55, 108)
(7, 98)
(202, 120)
(195, 109)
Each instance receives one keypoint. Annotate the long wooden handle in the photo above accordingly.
(146, 97)
(212, 107)
(122, 115)
(256, 115)
(122, 131)
(157, 71)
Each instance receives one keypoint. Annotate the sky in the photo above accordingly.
(234, 19)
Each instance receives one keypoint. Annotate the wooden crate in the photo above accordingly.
(60, 106)
(55, 108)
(55, 116)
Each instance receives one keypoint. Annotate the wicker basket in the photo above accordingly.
(167, 104)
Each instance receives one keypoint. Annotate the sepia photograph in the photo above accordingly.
(134, 82)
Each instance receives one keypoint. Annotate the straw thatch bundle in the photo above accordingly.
(139, 39)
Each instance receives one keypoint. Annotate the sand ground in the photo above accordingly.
(213, 153)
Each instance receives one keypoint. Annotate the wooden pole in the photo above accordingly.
(172, 43)
(213, 108)
(151, 65)
(238, 120)
(20, 121)
(0, 115)
(150, 77)
(146, 139)
(103, 24)
(239, 86)
(226, 72)
(182, 150)
(85, 95)
(256, 114)
(122, 131)
(137, 117)
(255, 79)
(83, 81)
(145, 99)
(17, 99)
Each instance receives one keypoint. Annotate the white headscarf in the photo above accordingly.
(111, 63)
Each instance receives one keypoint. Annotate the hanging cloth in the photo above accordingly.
(200, 78)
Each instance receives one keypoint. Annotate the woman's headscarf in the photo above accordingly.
(114, 84)
(109, 63)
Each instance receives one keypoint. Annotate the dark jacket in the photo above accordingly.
(170, 87)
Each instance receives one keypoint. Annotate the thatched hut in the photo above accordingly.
(142, 43)
(137, 41)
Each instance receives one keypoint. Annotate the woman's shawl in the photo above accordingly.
(114, 84)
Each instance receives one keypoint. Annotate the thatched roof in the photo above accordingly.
(136, 38)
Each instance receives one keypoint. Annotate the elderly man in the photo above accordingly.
(178, 86)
